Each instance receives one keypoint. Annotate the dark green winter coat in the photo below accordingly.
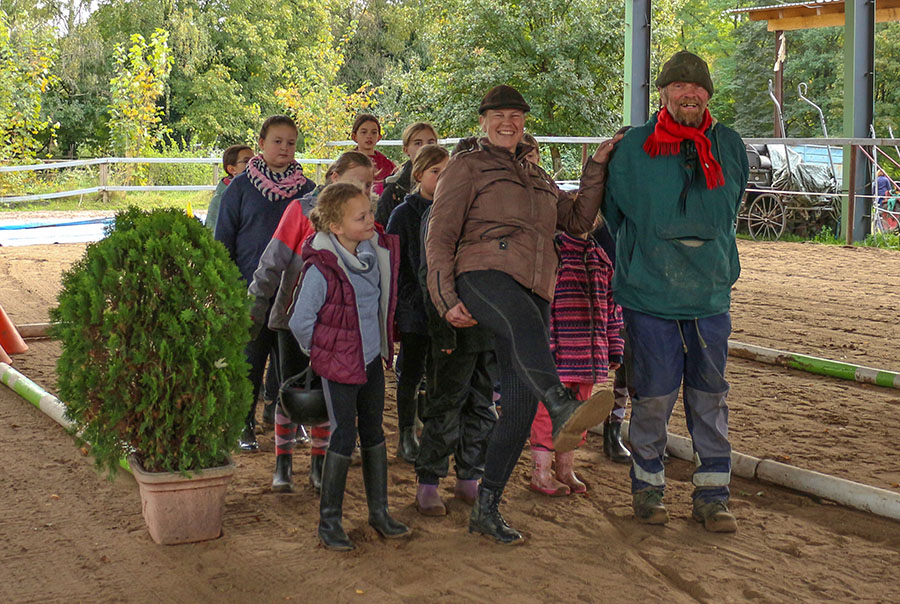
(676, 256)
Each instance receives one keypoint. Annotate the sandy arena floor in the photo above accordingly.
(70, 535)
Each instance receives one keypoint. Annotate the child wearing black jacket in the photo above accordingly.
(411, 321)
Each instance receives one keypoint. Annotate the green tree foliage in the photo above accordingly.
(322, 107)
(235, 62)
(141, 73)
(565, 56)
(153, 321)
(887, 74)
(26, 60)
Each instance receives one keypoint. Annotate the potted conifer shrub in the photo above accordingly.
(153, 321)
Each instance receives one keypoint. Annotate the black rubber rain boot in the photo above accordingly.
(331, 503)
(247, 441)
(374, 467)
(315, 471)
(571, 417)
(281, 480)
(408, 445)
(487, 520)
(612, 443)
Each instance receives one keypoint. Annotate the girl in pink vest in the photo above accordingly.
(342, 320)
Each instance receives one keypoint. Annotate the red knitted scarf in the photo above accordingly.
(666, 140)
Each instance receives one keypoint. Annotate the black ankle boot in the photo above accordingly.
(374, 467)
(408, 445)
(571, 417)
(487, 520)
(281, 480)
(315, 471)
(612, 443)
(331, 503)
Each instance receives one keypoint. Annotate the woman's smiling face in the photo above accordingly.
(503, 127)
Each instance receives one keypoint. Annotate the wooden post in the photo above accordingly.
(584, 154)
(215, 174)
(104, 182)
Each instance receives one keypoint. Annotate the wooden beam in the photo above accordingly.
(810, 21)
(793, 18)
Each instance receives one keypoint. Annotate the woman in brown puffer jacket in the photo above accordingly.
(492, 261)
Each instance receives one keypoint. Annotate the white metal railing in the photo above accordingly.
(559, 140)
(103, 187)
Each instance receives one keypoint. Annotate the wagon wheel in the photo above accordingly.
(766, 217)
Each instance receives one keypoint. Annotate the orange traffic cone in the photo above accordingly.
(10, 339)
(4, 358)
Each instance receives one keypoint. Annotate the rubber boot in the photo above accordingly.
(487, 520)
(408, 445)
(281, 480)
(374, 468)
(428, 500)
(571, 417)
(542, 480)
(247, 441)
(612, 443)
(331, 503)
(315, 471)
(467, 490)
(565, 472)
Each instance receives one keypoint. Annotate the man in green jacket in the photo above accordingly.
(673, 192)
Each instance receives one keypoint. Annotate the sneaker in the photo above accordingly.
(715, 516)
(648, 507)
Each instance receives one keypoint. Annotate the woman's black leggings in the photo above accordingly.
(519, 320)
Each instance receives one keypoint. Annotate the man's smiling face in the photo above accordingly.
(686, 102)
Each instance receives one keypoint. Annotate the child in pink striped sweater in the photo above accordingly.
(585, 341)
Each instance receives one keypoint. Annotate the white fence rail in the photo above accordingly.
(103, 187)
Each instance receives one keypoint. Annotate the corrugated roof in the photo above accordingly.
(751, 9)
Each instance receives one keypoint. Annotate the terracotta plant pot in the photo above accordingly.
(179, 509)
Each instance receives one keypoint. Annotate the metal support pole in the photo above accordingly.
(859, 107)
(637, 62)
(851, 195)
(778, 90)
